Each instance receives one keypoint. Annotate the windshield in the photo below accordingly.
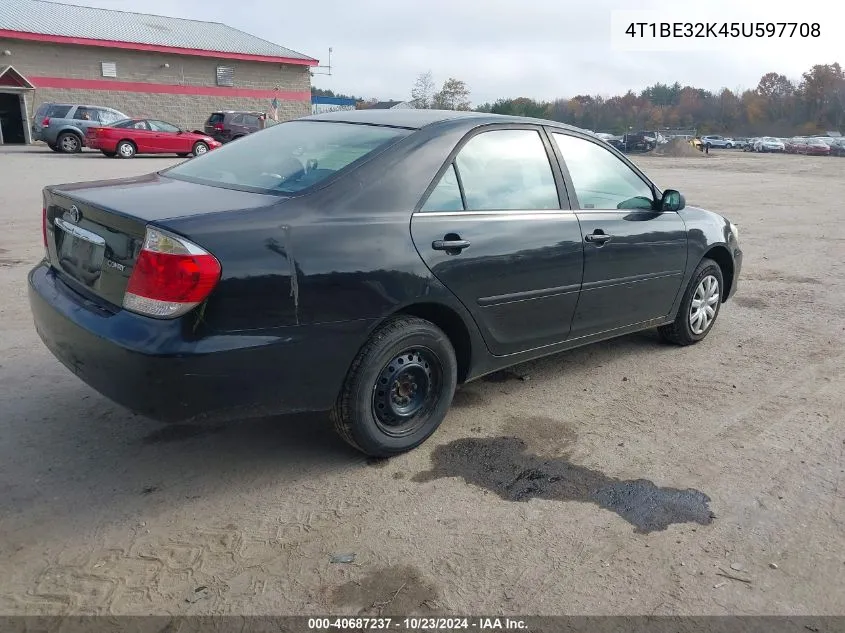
(288, 157)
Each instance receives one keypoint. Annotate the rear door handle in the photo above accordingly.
(449, 245)
(598, 238)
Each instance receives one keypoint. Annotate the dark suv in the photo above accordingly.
(229, 125)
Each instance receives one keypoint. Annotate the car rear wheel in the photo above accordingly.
(399, 388)
(69, 143)
(699, 308)
(126, 149)
(200, 148)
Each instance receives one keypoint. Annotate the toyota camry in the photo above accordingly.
(364, 264)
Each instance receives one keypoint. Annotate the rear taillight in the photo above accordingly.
(44, 225)
(171, 276)
(219, 127)
(45, 122)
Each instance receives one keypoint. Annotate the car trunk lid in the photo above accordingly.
(95, 231)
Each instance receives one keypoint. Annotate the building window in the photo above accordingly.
(109, 69)
(225, 76)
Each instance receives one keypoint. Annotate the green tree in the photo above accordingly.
(454, 95)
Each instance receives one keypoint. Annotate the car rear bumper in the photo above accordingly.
(153, 367)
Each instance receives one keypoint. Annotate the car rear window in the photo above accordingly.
(217, 117)
(289, 157)
(53, 111)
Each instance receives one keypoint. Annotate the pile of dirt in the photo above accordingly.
(677, 147)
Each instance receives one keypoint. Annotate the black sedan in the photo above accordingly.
(365, 263)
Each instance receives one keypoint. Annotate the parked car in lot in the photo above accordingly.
(62, 125)
(717, 141)
(769, 144)
(366, 262)
(816, 147)
(749, 145)
(127, 138)
(837, 146)
(795, 145)
(231, 125)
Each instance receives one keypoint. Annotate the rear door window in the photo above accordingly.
(217, 117)
(84, 113)
(507, 170)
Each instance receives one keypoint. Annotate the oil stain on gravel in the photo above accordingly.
(391, 591)
(502, 465)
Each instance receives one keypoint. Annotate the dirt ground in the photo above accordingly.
(628, 477)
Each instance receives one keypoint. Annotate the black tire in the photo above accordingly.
(109, 154)
(200, 148)
(680, 331)
(69, 143)
(126, 149)
(55, 148)
(365, 416)
(729, 146)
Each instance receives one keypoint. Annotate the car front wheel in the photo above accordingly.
(399, 388)
(200, 148)
(699, 308)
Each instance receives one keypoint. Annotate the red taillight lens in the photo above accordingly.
(171, 276)
(44, 225)
(219, 127)
(45, 122)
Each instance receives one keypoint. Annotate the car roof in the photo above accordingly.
(416, 119)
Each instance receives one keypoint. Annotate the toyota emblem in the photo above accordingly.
(75, 215)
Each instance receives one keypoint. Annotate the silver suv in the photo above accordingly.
(715, 140)
(62, 125)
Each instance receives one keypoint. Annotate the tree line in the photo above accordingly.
(777, 105)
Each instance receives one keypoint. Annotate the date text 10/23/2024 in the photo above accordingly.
(416, 624)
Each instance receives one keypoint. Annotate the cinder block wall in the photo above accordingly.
(35, 59)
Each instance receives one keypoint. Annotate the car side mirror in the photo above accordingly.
(672, 201)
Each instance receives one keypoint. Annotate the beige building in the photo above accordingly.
(172, 69)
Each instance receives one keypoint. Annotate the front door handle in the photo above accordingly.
(598, 238)
(449, 245)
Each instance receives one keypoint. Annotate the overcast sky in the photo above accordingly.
(542, 49)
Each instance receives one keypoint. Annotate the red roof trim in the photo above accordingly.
(153, 48)
(11, 78)
(173, 89)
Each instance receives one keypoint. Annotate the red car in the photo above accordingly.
(147, 136)
(816, 147)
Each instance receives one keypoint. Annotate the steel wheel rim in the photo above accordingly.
(200, 149)
(126, 150)
(406, 391)
(69, 144)
(704, 305)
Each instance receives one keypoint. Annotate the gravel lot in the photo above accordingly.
(734, 450)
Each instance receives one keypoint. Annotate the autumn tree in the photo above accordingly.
(454, 95)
